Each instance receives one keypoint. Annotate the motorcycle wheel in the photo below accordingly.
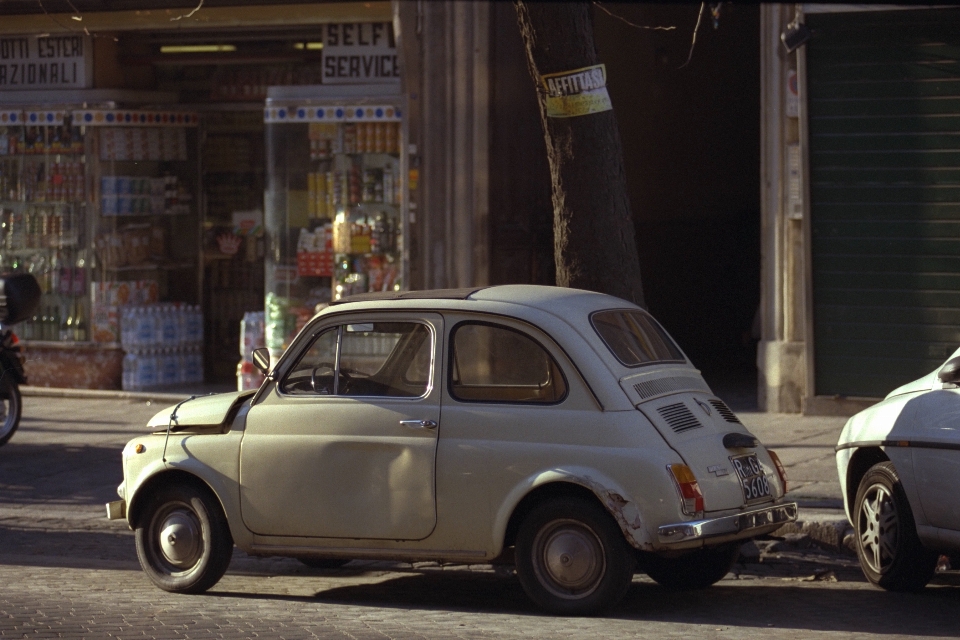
(9, 407)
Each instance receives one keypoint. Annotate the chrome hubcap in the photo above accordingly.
(570, 557)
(180, 538)
(877, 528)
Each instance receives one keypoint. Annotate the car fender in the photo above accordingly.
(882, 426)
(610, 493)
(208, 458)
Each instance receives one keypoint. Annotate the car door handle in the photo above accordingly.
(419, 424)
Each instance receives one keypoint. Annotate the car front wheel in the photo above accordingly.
(571, 557)
(889, 550)
(183, 541)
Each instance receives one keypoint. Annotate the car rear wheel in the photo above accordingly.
(571, 557)
(324, 563)
(183, 541)
(695, 570)
(889, 550)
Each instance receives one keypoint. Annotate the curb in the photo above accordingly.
(99, 394)
(829, 531)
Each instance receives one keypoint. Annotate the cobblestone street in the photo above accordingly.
(69, 572)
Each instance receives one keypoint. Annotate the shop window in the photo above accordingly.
(492, 363)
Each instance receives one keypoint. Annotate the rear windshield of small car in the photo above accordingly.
(635, 338)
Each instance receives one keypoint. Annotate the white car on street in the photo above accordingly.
(559, 430)
(899, 468)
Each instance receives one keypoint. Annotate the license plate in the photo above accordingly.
(752, 479)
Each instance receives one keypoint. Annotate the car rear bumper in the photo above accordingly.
(755, 522)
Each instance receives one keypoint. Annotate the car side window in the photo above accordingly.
(494, 363)
(392, 359)
(314, 372)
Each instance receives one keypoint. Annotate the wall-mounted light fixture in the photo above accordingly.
(198, 48)
(795, 36)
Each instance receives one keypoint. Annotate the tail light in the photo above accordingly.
(691, 498)
(780, 470)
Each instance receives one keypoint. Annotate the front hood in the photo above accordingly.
(200, 411)
(922, 384)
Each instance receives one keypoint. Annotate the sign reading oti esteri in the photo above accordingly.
(46, 62)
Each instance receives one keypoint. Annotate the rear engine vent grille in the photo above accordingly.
(661, 386)
(725, 411)
(679, 417)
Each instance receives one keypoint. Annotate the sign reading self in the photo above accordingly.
(360, 53)
(46, 62)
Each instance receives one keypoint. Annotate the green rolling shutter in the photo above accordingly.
(884, 122)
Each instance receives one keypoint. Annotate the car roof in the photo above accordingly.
(556, 300)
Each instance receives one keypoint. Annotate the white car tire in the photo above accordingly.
(183, 540)
(890, 553)
(572, 558)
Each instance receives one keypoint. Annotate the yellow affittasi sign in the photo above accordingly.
(576, 93)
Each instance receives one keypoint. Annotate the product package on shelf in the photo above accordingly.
(251, 337)
(163, 344)
(315, 252)
(132, 195)
(112, 295)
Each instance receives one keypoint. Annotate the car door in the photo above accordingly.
(935, 440)
(344, 445)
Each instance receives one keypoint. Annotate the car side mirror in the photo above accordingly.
(261, 360)
(950, 372)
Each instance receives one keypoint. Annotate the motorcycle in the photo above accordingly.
(19, 298)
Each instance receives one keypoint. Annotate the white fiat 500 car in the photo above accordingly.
(560, 430)
(899, 467)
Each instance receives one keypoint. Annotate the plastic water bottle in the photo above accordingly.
(129, 380)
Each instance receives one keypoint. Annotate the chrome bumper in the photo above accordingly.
(767, 519)
(117, 510)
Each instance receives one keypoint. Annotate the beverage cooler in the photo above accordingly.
(100, 205)
(335, 203)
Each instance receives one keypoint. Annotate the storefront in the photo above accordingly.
(159, 196)
(335, 213)
(861, 209)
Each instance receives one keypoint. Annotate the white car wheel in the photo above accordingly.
(183, 541)
(572, 558)
(889, 550)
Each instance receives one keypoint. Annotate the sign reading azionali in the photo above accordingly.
(47, 62)
(576, 93)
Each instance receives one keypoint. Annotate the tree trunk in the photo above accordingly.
(595, 245)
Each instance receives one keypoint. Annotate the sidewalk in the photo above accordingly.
(805, 445)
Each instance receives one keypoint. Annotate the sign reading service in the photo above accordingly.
(360, 53)
(576, 93)
(47, 62)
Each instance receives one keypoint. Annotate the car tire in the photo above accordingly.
(890, 553)
(11, 402)
(324, 563)
(572, 558)
(191, 517)
(695, 570)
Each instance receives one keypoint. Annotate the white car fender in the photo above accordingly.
(204, 457)
(881, 426)
(611, 494)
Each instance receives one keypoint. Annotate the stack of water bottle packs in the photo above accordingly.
(163, 345)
